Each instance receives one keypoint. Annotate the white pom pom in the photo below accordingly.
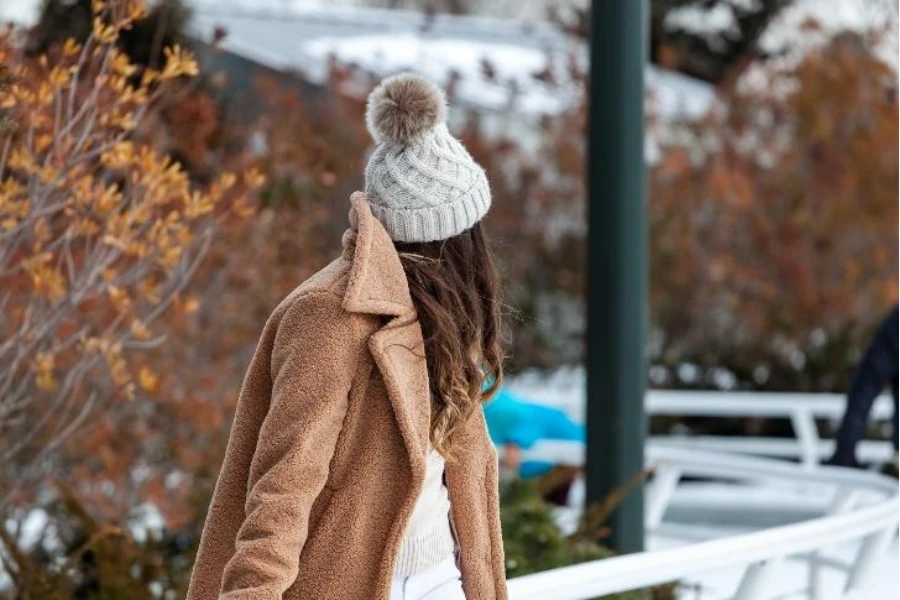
(403, 108)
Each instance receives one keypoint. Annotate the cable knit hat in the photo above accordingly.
(421, 183)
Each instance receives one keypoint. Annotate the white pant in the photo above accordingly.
(440, 582)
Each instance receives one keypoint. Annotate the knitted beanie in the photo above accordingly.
(422, 185)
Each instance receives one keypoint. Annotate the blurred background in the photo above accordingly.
(169, 172)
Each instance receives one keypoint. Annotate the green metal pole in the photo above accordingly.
(617, 273)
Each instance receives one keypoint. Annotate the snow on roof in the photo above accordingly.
(386, 41)
(791, 33)
(437, 58)
(810, 24)
(19, 11)
(713, 22)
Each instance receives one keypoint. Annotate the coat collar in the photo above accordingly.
(377, 283)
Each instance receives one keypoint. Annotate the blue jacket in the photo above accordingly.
(512, 420)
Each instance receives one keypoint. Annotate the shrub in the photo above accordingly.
(533, 542)
(100, 231)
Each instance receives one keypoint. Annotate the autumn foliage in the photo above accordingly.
(100, 231)
(772, 227)
(134, 284)
(774, 230)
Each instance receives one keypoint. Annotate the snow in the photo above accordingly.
(712, 23)
(515, 87)
(817, 20)
(563, 388)
(146, 522)
(19, 11)
(800, 26)
(30, 531)
(274, 6)
(809, 24)
(380, 42)
(676, 96)
(521, 9)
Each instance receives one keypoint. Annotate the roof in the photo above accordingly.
(288, 37)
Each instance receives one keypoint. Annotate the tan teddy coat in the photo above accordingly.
(327, 452)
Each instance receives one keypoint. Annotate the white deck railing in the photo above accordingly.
(801, 409)
(852, 514)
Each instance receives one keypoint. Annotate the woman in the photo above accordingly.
(359, 465)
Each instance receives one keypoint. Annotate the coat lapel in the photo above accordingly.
(400, 357)
(377, 285)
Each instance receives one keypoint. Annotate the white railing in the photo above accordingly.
(848, 520)
(851, 514)
(801, 409)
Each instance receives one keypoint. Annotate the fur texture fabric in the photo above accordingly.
(421, 182)
(327, 452)
(403, 108)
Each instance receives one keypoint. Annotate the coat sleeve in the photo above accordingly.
(315, 354)
(226, 509)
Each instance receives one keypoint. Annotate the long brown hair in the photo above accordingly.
(456, 291)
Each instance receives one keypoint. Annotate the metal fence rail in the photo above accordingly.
(847, 519)
(803, 410)
(874, 525)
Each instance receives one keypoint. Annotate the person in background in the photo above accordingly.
(517, 425)
(876, 370)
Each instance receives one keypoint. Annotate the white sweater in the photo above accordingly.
(428, 538)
